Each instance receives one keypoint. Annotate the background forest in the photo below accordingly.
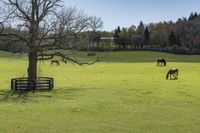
(182, 36)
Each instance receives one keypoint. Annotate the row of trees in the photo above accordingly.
(183, 35)
(76, 30)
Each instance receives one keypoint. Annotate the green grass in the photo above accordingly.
(125, 93)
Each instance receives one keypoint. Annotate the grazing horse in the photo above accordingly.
(172, 72)
(161, 62)
(55, 62)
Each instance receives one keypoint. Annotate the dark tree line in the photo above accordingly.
(182, 36)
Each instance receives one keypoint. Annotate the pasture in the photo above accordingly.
(124, 93)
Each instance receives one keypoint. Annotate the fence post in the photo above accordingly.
(11, 84)
(16, 85)
(49, 82)
(52, 83)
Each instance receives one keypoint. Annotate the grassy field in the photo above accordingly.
(125, 93)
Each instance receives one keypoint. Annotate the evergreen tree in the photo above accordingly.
(140, 28)
(124, 38)
(140, 33)
(193, 16)
(146, 35)
(116, 36)
(178, 41)
(172, 38)
(117, 32)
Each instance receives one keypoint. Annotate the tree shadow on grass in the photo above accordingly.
(40, 96)
(17, 96)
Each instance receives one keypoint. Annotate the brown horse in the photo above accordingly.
(172, 72)
(55, 62)
(161, 62)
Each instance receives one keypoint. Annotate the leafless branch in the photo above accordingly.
(64, 58)
(43, 24)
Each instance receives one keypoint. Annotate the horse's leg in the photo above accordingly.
(173, 75)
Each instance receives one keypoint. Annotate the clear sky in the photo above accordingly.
(125, 13)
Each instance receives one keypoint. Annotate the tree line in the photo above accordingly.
(182, 36)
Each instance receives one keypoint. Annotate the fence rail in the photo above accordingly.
(41, 83)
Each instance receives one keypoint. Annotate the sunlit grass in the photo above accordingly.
(125, 92)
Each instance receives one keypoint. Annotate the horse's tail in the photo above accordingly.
(167, 76)
(177, 72)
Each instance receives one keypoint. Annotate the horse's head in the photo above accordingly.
(167, 76)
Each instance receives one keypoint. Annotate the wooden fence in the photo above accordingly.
(42, 83)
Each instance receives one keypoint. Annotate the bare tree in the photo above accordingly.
(45, 24)
(95, 24)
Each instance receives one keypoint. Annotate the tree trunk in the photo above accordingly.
(32, 69)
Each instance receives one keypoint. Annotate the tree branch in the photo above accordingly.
(14, 35)
(64, 58)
